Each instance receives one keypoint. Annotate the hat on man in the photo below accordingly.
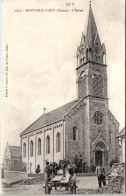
(47, 162)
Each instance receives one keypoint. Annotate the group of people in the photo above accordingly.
(100, 171)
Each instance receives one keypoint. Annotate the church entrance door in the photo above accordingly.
(100, 154)
(98, 157)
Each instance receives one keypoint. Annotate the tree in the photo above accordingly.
(78, 161)
(38, 169)
(113, 161)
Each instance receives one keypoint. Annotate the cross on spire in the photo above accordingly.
(44, 109)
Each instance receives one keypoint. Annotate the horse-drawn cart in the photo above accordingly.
(67, 181)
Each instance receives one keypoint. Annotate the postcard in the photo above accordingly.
(63, 97)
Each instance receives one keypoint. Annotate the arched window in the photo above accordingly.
(78, 61)
(39, 146)
(83, 59)
(24, 150)
(75, 134)
(58, 142)
(82, 74)
(31, 148)
(87, 55)
(90, 54)
(110, 136)
(47, 144)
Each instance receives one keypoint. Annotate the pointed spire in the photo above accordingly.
(90, 3)
(90, 48)
(91, 29)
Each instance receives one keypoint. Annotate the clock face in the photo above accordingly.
(98, 117)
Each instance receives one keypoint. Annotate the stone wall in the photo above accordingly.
(118, 169)
(76, 118)
(13, 176)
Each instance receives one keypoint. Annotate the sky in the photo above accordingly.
(41, 49)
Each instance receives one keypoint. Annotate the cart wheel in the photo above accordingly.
(73, 188)
(49, 188)
(46, 189)
(66, 188)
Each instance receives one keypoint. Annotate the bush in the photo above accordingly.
(92, 168)
(86, 169)
(78, 161)
(38, 169)
(113, 161)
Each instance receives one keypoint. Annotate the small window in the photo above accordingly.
(83, 59)
(58, 142)
(47, 144)
(87, 55)
(94, 75)
(31, 148)
(75, 134)
(39, 146)
(24, 150)
(82, 74)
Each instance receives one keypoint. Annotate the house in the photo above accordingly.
(12, 158)
(121, 138)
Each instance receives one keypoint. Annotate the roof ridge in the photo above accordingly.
(61, 106)
(33, 123)
(121, 133)
(13, 146)
(74, 105)
(46, 114)
(113, 116)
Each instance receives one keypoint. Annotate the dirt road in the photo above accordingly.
(86, 185)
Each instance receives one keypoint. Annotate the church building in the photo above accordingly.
(83, 125)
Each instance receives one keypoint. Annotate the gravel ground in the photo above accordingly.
(86, 185)
(39, 190)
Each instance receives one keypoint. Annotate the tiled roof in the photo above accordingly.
(15, 151)
(121, 133)
(113, 116)
(50, 117)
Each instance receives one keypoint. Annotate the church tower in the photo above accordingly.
(92, 86)
(85, 128)
(91, 63)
